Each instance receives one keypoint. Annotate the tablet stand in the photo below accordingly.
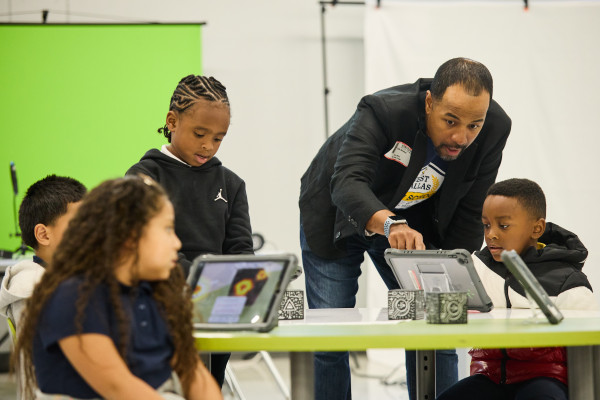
(435, 282)
(535, 312)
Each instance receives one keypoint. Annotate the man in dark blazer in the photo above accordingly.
(409, 170)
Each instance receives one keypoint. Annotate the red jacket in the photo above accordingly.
(518, 365)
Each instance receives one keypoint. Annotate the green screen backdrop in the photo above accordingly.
(84, 101)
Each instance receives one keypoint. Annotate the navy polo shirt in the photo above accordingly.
(38, 260)
(149, 350)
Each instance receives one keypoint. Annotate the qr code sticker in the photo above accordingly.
(292, 305)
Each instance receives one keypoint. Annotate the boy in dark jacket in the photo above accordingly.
(513, 218)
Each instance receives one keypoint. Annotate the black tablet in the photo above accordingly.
(439, 271)
(237, 292)
(532, 287)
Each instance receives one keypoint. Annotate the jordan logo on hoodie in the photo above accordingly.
(220, 196)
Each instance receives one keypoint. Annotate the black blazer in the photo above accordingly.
(350, 179)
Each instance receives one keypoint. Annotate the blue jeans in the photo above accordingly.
(334, 284)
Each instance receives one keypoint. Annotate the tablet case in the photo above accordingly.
(532, 287)
(239, 292)
(439, 271)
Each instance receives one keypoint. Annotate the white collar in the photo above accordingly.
(166, 151)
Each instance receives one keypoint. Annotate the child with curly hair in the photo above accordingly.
(111, 317)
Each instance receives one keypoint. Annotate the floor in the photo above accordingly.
(370, 379)
(8, 389)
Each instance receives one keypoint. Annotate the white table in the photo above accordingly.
(361, 329)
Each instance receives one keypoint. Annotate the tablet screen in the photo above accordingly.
(236, 292)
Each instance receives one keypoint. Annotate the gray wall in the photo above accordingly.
(268, 54)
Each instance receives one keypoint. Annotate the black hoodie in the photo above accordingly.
(557, 266)
(211, 207)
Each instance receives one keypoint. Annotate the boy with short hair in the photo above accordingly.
(211, 205)
(44, 214)
(514, 218)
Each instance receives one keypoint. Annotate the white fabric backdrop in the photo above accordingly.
(545, 67)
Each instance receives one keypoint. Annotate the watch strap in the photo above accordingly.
(388, 224)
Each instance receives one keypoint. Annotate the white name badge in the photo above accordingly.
(400, 153)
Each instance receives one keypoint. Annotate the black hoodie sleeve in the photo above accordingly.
(238, 232)
(139, 169)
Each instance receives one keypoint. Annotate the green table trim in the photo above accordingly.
(484, 333)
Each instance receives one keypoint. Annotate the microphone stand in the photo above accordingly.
(22, 249)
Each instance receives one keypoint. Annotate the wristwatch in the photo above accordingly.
(392, 220)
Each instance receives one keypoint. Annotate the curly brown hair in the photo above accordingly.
(111, 218)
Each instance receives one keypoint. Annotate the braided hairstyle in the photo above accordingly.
(192, 89)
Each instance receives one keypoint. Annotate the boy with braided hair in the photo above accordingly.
(211, 206)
